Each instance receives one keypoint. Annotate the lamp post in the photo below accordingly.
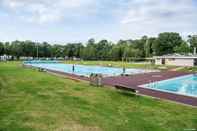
(37, 50)
(194, 51)
(123, 63)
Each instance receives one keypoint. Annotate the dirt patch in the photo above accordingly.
(77, 127)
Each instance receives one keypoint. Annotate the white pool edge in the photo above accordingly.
(165, 91)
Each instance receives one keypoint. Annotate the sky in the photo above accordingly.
(79, 20)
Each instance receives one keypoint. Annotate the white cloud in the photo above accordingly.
(116, 19)
(42, 11)
(155, 16)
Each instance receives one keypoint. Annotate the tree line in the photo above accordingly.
(164, 43)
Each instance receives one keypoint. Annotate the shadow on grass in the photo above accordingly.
(127, 93)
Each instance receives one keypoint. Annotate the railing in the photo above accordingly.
(96, 80)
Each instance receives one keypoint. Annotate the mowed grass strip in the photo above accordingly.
(37, 101)
(120, 64)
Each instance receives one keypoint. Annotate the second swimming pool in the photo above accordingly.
(183, 85)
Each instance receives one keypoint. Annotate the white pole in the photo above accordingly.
(194, 51)
(37, 51)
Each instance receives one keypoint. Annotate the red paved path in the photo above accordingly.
(136, 80)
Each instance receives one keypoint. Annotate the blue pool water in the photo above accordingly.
(87, 70)
(184, 85)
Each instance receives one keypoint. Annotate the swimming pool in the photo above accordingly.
(184, 85)
(84, 70)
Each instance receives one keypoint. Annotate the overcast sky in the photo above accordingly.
(79, 20)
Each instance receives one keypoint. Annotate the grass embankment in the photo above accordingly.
(32, 100)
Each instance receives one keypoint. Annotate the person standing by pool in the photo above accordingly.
(73, 68)
(124, 69)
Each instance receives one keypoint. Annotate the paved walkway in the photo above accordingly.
(140, 79)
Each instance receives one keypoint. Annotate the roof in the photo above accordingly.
(178, 56)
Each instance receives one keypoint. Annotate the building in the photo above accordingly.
(176, 60)
(5, 57)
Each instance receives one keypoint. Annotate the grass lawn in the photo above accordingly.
(189, 69)
(32, 100)
(144, 65)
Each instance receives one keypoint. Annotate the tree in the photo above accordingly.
(183, 48)
(57, 51)
(140, 44)
(89, 52)
(7, 49)
(73, 50)
(148, 47)
(102, 50)
(46, 49)
(28, 48)
(91, 41)
(16, 49)
(122, 45)
(166, 42)
(1, 48)
(78, 49)
(115, 53)
(192, 39)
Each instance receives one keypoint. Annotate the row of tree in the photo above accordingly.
(165, 43)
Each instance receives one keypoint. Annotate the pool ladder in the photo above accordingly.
(152, 84)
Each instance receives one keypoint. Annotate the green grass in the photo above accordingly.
(37, 101)
(189, 69)
(143, 65)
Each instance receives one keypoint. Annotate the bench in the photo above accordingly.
(123, 87)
